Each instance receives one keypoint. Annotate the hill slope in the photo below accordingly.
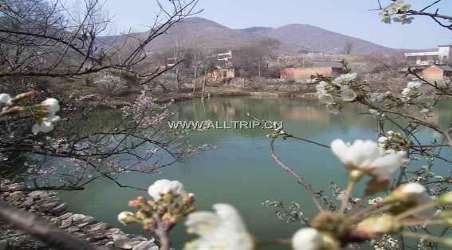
(304, 36)
(203, 33)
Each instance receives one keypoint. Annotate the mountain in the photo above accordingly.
(203, 33)
(304, 36)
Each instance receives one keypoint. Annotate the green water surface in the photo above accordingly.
(239, 170)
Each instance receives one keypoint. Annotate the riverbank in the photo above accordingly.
(231, 92)
(49, 207)
(188, 94)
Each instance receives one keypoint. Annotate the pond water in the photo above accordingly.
(239, 170)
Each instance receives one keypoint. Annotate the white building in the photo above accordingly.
(442, 56)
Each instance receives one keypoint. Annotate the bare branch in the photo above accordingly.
(50, 235)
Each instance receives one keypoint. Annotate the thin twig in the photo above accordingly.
(300, 179)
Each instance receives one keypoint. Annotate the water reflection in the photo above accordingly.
(240, 171)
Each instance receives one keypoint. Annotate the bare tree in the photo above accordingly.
(348, 47)
(44, 39)
(54, 42)
(253, 59)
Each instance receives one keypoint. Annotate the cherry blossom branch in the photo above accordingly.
(290, 171)
(162, 233)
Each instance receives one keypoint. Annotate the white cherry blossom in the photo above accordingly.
(46, 125)
(52, 105)
(42, 127)
(347, 94)
(339, 90)
(223, 229)
(5, 99)
(367, 157)
(412, 90)
(323, 93)
(414, 84)
(165, 186)
(307, 239)
(345, 79)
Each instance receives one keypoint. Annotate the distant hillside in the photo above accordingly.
(304, 36)
(202, 33)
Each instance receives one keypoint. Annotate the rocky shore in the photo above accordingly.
(49, 207)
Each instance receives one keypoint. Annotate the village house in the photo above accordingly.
(441, 56)
(221, 74)
(326, 69)
(436, 72)
(431, 65)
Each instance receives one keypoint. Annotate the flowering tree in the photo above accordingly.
(408, 112)
(409, 205)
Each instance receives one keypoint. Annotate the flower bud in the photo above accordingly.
(149, 224)
(138, 202)
(446, 216)
(169, 219)
(410, 192)
(355, 175)
(140, 215)
(126, 218)
(448, 242)
(189, 199)
(377, 226)
(445, 199)
(14, 110)
(29, 94)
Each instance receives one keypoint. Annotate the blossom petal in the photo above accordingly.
(202, 222)
(223, 229)
(307, 239)
(340, 149)
(5, 99)
(52, 105)
(348, 95)
(165, 186)
(384, 166)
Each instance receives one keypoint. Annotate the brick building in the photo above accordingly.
(437, 72)
(325, 69)
(442, 56)
(221, 74)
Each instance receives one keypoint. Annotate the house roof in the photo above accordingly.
(422, 67)
(423, 53)
(414, 68)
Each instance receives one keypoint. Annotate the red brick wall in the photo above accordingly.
(305, 73)
(433, 73)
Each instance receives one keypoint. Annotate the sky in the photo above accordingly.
(349, 17)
